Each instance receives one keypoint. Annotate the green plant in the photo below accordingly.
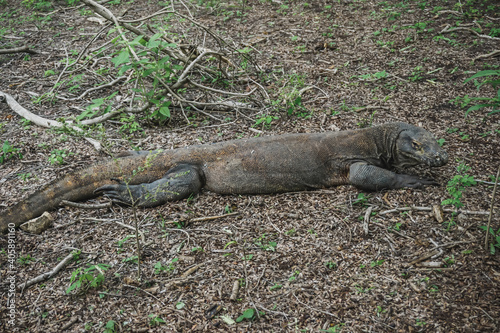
(110, 327)
(496, 239)
(248, 314)
(457, 185)
(455, 188)
(49, 73)
(376, 263)
(420, 322)
(396, 226)
(248, 257)
(43, 5)
(361, 290)
(493, 102)
(380, 310)
(265, 120)
(276, 287)
(58, 156)
(416, 74)
(330, 265)
(155, 320)
(449, 260)
(228, 209)
(8, 152)
(265, 245)
(433, 288)
(334, 329)
(130, 124)
(294, 276)
(362, 199)
(169, 268)
(90, 277)
(25, 260)
(197, 249)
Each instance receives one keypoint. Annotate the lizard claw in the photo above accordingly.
(117, 193)
(416, 182)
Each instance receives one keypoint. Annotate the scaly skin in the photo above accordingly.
(292, 162)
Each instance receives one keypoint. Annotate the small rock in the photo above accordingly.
(437, 211)
(39, 224)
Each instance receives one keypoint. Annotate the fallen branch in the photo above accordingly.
(86, 206)
(449, 12)
(488, 55)
(73, 320)
(428, 209)
(205, 218)
(491, 210)
(21, 49)
(485, 182)
(40, 121)
(191, 56)
(431, 264)
(440, 269)
(424, 257)
(48, 275)
(366, 220)
(448, 29)
(372, 107)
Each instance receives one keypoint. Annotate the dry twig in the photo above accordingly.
(21, 49)
(40, 121)
(491, 210)
(449, 29)
(48, 275)
(429, 209)
(86, 206)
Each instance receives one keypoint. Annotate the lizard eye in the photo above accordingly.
(416, 145)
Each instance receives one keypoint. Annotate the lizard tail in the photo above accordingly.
(76, 186)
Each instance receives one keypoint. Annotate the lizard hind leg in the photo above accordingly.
(178, 183)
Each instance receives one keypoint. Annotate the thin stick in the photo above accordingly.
(48, 275)
(448, 29)
(205, 218)
(487, 55)
(428, 209)
(18, 50)
(491, 211)
(86, 206)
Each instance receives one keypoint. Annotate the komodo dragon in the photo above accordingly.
(283, 163)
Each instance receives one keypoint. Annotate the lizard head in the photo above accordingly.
(415, 146)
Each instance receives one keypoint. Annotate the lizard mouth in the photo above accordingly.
(437, 160)
(432, 160)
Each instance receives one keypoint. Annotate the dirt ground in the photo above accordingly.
(302, 261)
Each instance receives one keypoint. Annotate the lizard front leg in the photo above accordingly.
(178, 183)
(372, 178)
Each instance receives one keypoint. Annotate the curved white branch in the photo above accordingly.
(40, 121)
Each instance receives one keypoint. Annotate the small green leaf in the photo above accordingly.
(228, 320)
(482, 74)
(121, 58)
(247, 314)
